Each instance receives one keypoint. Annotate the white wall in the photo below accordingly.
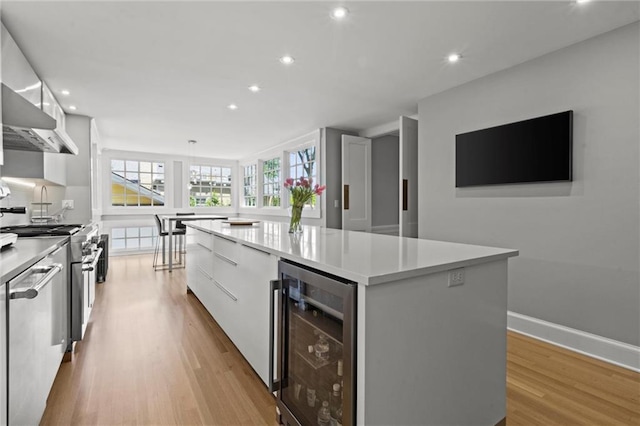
(578, 241)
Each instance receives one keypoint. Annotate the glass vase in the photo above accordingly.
(295, 215)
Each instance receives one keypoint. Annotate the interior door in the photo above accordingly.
(356, 183)
(408, 177)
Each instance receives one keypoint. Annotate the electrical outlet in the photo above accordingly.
(456, 277)
(67, 204)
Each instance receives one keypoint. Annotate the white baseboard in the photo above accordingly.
(602, 348)
(386, 229)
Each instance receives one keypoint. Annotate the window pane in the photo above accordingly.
(131, 166)
(145, 167)
(117, 165)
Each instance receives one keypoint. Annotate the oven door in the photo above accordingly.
(83, 286)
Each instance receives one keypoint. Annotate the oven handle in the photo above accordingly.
(90, 266)
(32, 292)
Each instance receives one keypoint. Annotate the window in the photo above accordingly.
(250, 185)
(271, 183)
(210, 186)
(302, 163)
(137, 183)
(133, 238)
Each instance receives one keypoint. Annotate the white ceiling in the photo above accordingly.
(155, 74)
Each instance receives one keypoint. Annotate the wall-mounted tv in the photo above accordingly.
(535, 150)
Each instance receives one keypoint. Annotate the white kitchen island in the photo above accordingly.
(427, 352)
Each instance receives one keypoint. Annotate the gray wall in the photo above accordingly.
(78, 186)
(578, 241)
(385, 166)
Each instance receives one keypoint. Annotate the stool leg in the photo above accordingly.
(164, 260)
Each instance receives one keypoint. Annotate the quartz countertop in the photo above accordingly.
(24, 253)
(362, 257)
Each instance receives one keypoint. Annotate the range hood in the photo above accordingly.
(25, 127)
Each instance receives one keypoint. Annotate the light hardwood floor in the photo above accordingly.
(152, 355)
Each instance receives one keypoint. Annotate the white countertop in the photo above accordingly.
(358, 256)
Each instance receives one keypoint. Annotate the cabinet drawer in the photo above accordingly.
(204, 240)
(225, 249)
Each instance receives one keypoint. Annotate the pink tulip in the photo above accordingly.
(288, 182)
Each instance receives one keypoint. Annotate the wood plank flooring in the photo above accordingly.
(152, 355)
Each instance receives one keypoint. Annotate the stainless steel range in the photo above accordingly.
(84, 255)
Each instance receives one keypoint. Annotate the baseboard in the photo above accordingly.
(602, 348)
(386, 229)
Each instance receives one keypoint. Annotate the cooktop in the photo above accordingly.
(40, 230)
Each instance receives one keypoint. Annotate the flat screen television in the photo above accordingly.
(535, 150)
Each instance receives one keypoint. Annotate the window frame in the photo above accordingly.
(311, 139)
(107, 193)
(243, 197)
(200, 164)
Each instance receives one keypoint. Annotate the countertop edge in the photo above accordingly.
(367, 280)
(15, 270)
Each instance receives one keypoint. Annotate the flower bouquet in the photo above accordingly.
(302, 191)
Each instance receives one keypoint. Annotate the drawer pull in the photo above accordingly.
(203, 272)
(225, 291)
(205, 247)
(257, 249)
(225, 258)
(225, 238)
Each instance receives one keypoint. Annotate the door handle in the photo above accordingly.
(346, 197)
(405, 194)
(275, 286)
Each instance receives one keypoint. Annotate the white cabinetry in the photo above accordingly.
(51, 106)
(232, 282)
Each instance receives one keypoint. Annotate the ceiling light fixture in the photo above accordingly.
(287, 60)
(582, 1)
(65, 92)
(73, 107)
(254, 88)
(339, 13)
(454, 57)
(233, 107)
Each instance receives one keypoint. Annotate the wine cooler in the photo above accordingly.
(314, 331)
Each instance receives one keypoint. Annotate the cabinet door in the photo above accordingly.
(3, 354)
(255, 271)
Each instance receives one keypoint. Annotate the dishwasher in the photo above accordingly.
(38, 334)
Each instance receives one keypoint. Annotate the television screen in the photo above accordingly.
(535, 150)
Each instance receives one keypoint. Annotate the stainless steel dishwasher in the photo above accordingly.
(38, 333)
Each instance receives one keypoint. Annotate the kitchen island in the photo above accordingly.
(430, 319)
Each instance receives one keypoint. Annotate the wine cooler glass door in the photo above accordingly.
(317, 353)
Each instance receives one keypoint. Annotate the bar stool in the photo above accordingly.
(180, 225)
(162, 233)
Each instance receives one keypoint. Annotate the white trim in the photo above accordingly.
(386, 229)
(602, 348)
(383, 129)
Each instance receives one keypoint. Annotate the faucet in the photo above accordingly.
(44, 188)
(42, 218)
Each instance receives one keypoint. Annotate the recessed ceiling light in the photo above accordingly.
(287, 60)
(582, 1)
(192, 141)
(339, 12)
(72, 107)
(454, 57)
(65, 92)
(254, 88)
(232, 106)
